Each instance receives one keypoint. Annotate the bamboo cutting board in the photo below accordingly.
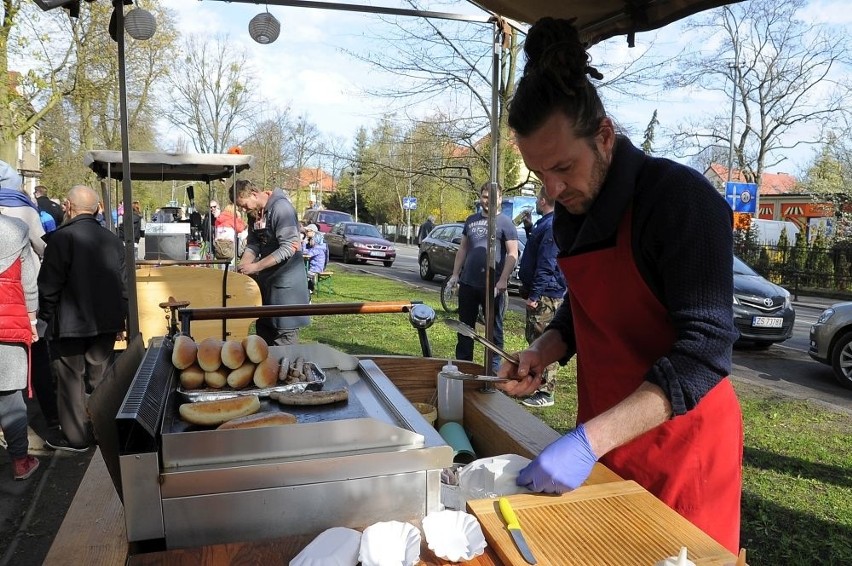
(618, 524)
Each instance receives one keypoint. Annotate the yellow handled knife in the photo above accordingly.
(515, 530)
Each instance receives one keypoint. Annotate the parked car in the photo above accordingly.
(325, 219)
(763, 311)
(831, 341)
(438, 252)
(359, 242)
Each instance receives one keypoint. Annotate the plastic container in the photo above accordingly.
(450, 397)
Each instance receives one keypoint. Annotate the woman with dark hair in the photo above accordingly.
(645, 245)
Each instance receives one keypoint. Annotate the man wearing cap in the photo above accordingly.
(315, 252)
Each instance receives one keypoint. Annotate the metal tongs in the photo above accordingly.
(461, 376)
(466, 330)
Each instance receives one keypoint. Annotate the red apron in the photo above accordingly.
(692, 462)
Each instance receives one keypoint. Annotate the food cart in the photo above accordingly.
(167, 270)
(171, 477)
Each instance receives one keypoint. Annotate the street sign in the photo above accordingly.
(742, 197)
(409, 203)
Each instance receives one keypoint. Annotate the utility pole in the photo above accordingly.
(355, 174)
(408, 221)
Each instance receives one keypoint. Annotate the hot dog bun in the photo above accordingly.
(259, 420)
(210, 354)
(266, 373)
(184, 352)
(233, 354)
(216, 379)
(214, 413)
(256, 348)
(242, 376)
(192, 377)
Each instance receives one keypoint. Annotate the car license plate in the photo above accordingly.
(767, 322)
(377, 254)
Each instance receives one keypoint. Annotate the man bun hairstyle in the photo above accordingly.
(556, 78)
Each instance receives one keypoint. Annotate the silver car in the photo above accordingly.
(831, 341)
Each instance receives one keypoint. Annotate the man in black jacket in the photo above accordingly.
(83, 299)
(47, 205)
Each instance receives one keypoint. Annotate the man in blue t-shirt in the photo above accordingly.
(469, 270)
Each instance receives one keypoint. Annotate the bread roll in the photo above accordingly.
(233, 354)
(256, 348)
(258, 420)
(184, 353)
(266, 373)
(214, 413)
(216, 379)
(210, 354)
(192, 377)
(242, 376)
(310, 397)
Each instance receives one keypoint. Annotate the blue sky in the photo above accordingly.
(306, 69)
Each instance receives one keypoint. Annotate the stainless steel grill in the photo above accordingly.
(351, 464)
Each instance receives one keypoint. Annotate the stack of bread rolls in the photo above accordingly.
(232, 363)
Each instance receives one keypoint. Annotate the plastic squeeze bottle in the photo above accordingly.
(450, 396)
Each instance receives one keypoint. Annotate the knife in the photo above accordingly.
(515, 530)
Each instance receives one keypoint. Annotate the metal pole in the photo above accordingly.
(355, 187)
(129, 252)
(733, 68)
(493, 209)
(408, 208)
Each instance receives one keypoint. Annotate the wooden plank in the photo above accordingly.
(93, 529)
(202, 286)
(611, 523)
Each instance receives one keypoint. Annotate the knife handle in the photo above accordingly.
(508, 514)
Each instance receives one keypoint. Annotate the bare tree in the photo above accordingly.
(212, 93)
(303, 144)
(447, 65)
(785, 73)
(268, 145)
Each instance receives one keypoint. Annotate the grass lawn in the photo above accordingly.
(797, 476)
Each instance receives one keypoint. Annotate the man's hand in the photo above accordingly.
(532, 305)
(453, 281)
(562, 466)
(525, 376)
(248, 268)
(500, 286)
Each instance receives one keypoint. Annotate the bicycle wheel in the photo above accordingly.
(480, 318)
(449, 297)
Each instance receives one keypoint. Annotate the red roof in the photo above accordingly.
(770, 183)
(317, 179)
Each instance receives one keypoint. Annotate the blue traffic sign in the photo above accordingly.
(742, 197)
(409, 203)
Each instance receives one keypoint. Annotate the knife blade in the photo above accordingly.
(515, 530)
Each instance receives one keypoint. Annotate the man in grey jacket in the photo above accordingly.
(83, 298)
(274, 257)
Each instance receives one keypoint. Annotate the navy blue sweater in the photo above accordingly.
(683, 246)
(538, 270)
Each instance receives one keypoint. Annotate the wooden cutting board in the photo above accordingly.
(618, 524)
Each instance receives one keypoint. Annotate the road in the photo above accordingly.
(785, 368)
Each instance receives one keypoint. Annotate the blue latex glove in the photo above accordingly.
(562, 466)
